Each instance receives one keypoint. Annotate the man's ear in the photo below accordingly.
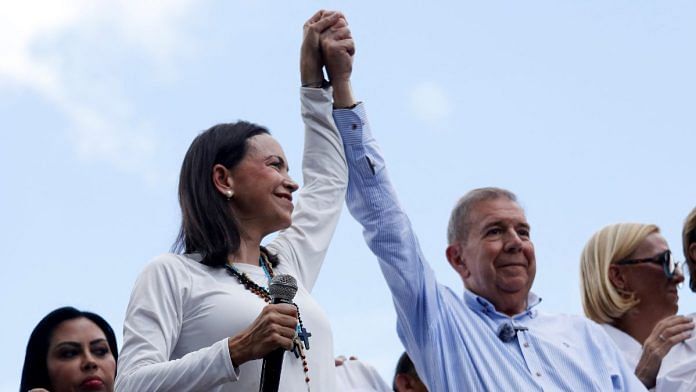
(454, 256)
(222, 179)
(617, 278)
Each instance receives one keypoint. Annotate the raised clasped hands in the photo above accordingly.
(311, 62)
(328, 43)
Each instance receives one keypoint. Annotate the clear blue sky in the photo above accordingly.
(584, 109)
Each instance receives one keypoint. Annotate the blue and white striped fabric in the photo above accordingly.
(452, 339)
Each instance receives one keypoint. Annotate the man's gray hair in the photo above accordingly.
(458, 228)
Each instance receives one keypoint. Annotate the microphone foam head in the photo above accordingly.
(283, 287)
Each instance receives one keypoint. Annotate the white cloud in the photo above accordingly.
(430, 102)
(105, 126)
(21, 25)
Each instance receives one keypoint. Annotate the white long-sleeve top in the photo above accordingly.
(182, 312)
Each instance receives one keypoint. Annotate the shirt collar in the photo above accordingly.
(482, 305)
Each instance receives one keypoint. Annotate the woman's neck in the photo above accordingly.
(248, 253)
(639, 323)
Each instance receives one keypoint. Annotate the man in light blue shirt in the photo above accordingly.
(493, 337)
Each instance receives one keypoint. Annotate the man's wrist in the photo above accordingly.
(343, 95)
(350, 107)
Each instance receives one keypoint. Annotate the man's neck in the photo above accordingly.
(512, 309)
(511, 305)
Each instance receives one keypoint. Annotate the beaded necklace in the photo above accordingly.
(301, 340)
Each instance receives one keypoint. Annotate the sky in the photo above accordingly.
(584, 109)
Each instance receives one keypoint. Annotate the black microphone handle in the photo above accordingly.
(270, 370)
(272, 364)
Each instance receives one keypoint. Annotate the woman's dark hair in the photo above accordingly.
(208, 226)
(35, 371)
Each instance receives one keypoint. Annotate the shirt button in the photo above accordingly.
(538, 374)
(526, 344)
(354, 126)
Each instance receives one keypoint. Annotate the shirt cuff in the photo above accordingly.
(317, 91)
(231, 370)
(351, 123)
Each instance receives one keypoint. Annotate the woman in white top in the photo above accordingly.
(629, 285)
(199, 320)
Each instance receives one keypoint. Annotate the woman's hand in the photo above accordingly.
(667, 333)
(274, 328)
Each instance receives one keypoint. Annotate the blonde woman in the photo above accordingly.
(629, 284)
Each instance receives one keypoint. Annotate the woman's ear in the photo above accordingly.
(222, 179)
(454, 256)
(617, 278)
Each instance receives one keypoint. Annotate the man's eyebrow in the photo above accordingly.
(501, 222)
(488, 225)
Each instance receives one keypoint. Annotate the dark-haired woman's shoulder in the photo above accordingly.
(180, 270)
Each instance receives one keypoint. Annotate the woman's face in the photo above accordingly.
(648, 280)
(79, 358)
(262, 187)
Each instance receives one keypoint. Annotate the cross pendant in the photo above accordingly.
(304, 335)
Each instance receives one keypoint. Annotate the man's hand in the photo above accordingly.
(338, 49)
(311, 61)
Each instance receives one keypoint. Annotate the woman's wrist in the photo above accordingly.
(646, 376)
(238, 355)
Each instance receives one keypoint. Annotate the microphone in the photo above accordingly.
(507, 331)
(282, 290)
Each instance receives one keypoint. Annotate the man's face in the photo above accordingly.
(496, 261)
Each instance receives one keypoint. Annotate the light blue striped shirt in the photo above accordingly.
(453, 339)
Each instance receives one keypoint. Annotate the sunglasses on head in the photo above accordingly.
(665, 259)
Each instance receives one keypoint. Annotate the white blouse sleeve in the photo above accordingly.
(325, 176)
(151, 329)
